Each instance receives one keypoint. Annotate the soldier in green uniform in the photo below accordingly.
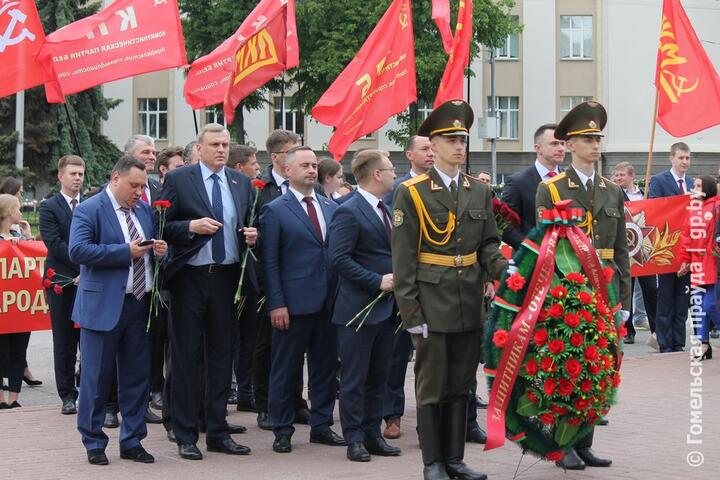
(604, 221)
(444, 244)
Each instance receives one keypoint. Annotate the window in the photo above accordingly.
(215, 115)
(424, 108)
(289, 118)
(508, 113)
(576, 36)
(152, 117)
(568, 103)
(511, 48)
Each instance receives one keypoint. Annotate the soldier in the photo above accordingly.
(604, 222)
(444, 244)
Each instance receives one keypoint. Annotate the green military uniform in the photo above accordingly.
(444, 244)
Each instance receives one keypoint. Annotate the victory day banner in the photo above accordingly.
(654, 228)
(126, 38)
(21, 36)
(23, 306)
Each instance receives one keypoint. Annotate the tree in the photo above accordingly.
(47, 130)
(331, 33)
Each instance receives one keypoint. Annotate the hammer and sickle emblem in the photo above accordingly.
(159, 2)
(16, 16)
(366, 83)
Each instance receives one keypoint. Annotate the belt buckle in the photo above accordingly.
(213, 268)
(458, 261)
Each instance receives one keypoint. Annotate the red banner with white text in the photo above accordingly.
(23, 305)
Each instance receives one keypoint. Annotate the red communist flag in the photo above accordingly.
(377, 84)
(21, 38)
(451, 85)
(126, 38)
(207, 80)
(258, 60)
(441, 15)
(688, 85)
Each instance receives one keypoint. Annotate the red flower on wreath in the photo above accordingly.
(259, 184)
(573, 367)
(50, 273)
(540, 337)
(542, 316)
(585, 385)
(602, 385)
(575, 277)
(565, 387)
(602, 308)
(581, 403)
(46, 283)
(602, 343)
(548, 365)
(574, 421)
(572, 320)
(560, 410)
(531, 367)
(622, 331)
(500, 338)
(576, 339)
(587, 316)
(57, 289)
(555, 456)
(608, 272)
(162, 204)
(532, 396)
(515, 282)
(591, 353)
(600, 325)
(594, 368)
(547, 418)
(556, 346)
(556, 310)
(585, 298)
(549, 386)
(559, 292)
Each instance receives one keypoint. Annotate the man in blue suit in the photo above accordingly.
(107, 239)
(298, 286)
(673, 292)
(360, 235)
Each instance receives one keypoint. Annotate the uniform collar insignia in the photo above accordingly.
(434, 187)
(572, 185)
(466, 183)
(602, 184)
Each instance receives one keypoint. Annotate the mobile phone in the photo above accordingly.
(145, 243)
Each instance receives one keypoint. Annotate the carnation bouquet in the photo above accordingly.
(553, 349)
(504, 215)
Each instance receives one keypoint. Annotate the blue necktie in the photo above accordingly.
(218, 239)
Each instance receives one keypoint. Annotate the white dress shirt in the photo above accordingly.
(373, 201)
(543, 171)
(126, 233)
(636, 195)
(280, 181)
(686, 188)
(584, 178)
(446, 179)
(70, 199)
(316, 204)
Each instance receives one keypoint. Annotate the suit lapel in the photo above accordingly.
(199, 184)
(146, 222)
(112, 217)
(236, 194)
(64, 205)
(327, 213)
(295, 207)
(373, 218)
(439, 191)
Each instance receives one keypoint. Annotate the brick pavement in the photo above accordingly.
(646, 438)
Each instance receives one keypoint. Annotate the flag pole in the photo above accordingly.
(652, 144)
(467, 145)
(195, 121)
(72, 129)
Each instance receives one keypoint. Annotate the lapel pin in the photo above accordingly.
(233, 181)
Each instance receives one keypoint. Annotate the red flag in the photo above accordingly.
(126, 38)
(22, 38)
(688, 85)
(207, 80)
(441, 15)
(451, 85)
(378, 83)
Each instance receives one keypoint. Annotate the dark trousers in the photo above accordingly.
(245, 346)
(649, 287)
(203, 324)
(14, 348)
(126, 346)
(158, 349)
(672, 310)
(364, 355)
(394, 394)
(315, 335)
(65, 341)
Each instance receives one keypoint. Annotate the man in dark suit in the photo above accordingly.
(519, 190)
(360, 235)
(294, 230)
(207, 233)
(55, 215)
(106, 240)
(276, 184)
(421, 157)
(673, 291)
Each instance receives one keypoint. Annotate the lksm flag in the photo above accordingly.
(377, 84)
(451, 85)
(247, 54)
(21, 38)
(688, 85)
(126, 38)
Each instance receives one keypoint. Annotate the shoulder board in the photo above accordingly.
(416, 180)
(556, 178)
(607, 180)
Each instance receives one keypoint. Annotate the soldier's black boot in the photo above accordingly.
(454, 420)
(428, 422)
(585, 452)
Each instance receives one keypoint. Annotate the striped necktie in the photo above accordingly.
(138, 264)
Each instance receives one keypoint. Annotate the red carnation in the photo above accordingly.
(608, 272)
(547, 418)
(587, 316)
(591, 353)
(565, 387)
(57, 289)
(50, 273)
(500, 338)
(607, 364)
(532, 396)
(162, 204)
(559, 292)
(540, 337)
(602, 343)
(574, 421)
(602, 385)
(259, 184)
(594, 368)
(555, 456)
(576, 339)
(542, 316)
(573, 367)
(46, 283)
(572, 320)
(549, 386)
(560, 410)
(556, 310)
(531, 367)
(575, 277)
(585, 298)
(581, 403)
(547, 364)
(556, 346)
(585, 385)
(602, 308)
(515, 282)
(600, 324)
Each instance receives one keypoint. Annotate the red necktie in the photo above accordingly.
(144, 196)
(551, 174)
(313, 216)
(381, 206)
(680, 186)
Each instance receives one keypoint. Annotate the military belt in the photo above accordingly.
(447, 260)
(606, 253)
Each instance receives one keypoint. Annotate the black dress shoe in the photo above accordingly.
(111, 420)
(475, 434)
(571, 461)
(235, 429)
(246, 405)
(152, 417)
(171, 436)
(156, 400)
(435, 471)
(378, 446)
(189, 452)
(629, 339)
(15, 404)
(68, 407)
(228, 446)
(591, 460)
(32, 383)
(233, 397)
(328, 437)
(282, 444)
(480, 403)
(263, 421)
(463, 472)
(356, 452)
(4, 406)
(97, 457)
(302, 416)
(137, 454)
